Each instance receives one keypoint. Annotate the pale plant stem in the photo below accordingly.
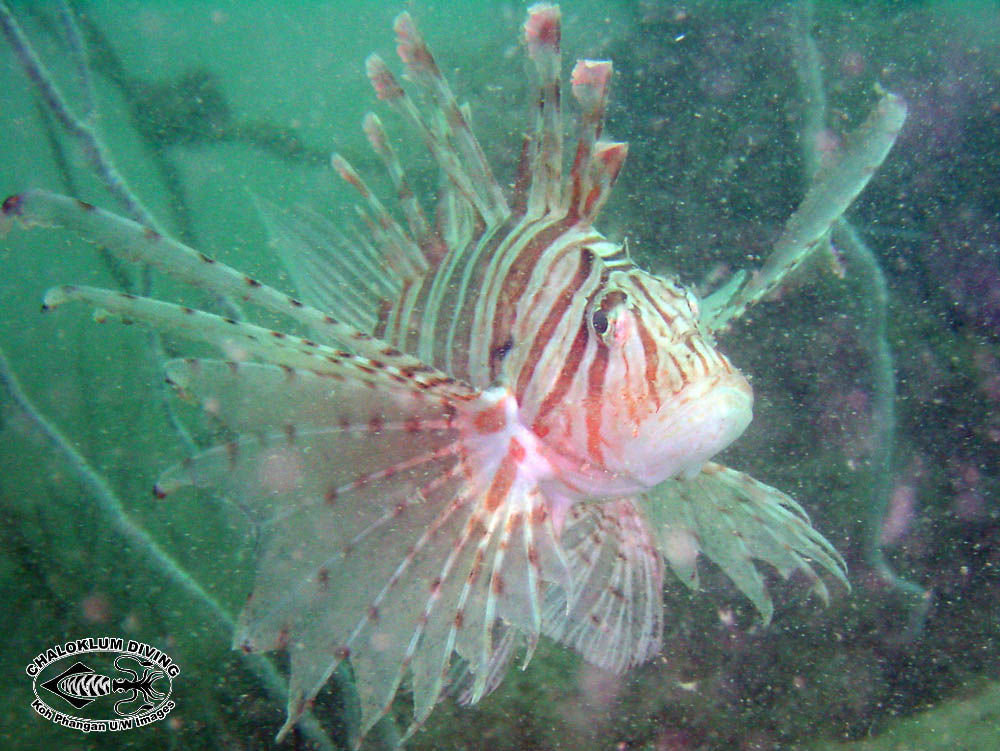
(72, 32)
(875, 300)
(80, 129)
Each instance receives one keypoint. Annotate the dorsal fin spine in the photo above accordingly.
(542, 37)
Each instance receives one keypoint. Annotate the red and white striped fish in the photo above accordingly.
(499, 428)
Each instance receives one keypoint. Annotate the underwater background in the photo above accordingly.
(877, 374)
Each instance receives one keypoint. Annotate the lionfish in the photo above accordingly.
(501, 429)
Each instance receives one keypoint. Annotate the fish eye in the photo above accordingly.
(599, 320)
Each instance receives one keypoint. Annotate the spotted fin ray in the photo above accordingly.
(613, 615)
(335, 475)
(330, 270)
(735, 520)
(833, 190)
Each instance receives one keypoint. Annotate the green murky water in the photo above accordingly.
(202, 105)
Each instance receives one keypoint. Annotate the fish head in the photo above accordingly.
(662, 399)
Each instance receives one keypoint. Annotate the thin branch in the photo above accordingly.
(82, 130)
(79, 54)
(98, 155)
(875, 297)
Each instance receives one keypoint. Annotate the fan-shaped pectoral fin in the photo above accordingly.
(734, 520)
(393, 530)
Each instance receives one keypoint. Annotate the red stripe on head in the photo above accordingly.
(595, 391)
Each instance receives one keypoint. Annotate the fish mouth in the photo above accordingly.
(691, 427)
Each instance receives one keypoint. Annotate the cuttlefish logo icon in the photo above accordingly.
(79, 685)
(103, 684)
